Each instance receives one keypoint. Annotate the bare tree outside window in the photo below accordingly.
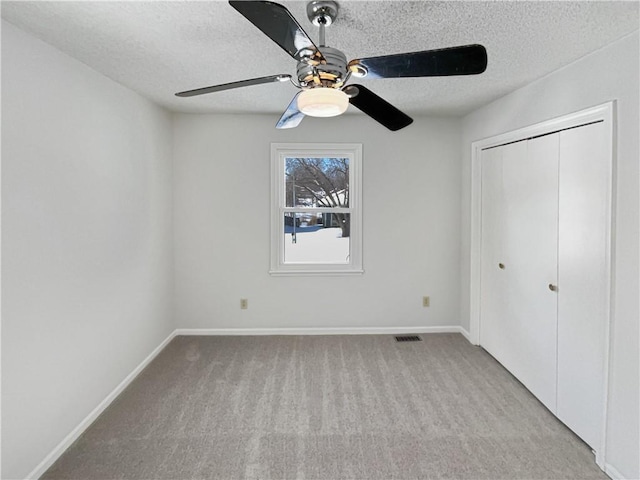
(320, 182)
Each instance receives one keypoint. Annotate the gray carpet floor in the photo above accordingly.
(325, 407)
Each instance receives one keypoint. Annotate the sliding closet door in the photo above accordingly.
(531, 259)
(493, 304)
(518, 323)
(583, 287)
(545, 280)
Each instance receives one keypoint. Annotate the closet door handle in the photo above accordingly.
(501, 266)
(553, 288)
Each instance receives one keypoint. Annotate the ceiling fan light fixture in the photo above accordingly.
(323, 102)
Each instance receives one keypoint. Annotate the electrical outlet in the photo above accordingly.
(425, 301)
(244, 303)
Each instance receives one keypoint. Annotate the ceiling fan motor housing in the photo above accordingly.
(333, 74)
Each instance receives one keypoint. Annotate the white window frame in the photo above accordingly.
(280, 151)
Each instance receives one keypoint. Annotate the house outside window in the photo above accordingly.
(316, 217)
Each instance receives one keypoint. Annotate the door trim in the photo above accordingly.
(600, 113)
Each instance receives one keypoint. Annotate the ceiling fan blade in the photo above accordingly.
(464, 60)
(292, 117)
(377, 107)
(228, 86)
(277, 23)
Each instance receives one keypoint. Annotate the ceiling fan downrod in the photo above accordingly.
(322, 13)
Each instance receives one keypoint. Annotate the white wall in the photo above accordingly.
(411, 217)
(86, 242)
(609, 74)
(87, 231)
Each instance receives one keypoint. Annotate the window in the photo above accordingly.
(316, 220)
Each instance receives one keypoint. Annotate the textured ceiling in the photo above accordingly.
(158, 48)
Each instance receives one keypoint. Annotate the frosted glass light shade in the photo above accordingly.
(323, 102)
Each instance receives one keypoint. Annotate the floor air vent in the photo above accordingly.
(408, 338)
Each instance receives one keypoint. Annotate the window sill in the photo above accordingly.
(314, 273)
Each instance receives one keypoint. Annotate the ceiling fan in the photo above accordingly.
(323, 72)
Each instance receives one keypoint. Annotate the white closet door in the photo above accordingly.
(531, 259)
(582, 278)
(518, 324)
(492, 300)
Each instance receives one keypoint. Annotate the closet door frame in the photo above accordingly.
(601, 113)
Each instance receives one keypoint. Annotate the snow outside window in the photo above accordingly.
(316, 219)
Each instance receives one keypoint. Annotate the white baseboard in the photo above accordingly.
(465, 333)
(613, 472)
(89, 419)
(319, 331)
